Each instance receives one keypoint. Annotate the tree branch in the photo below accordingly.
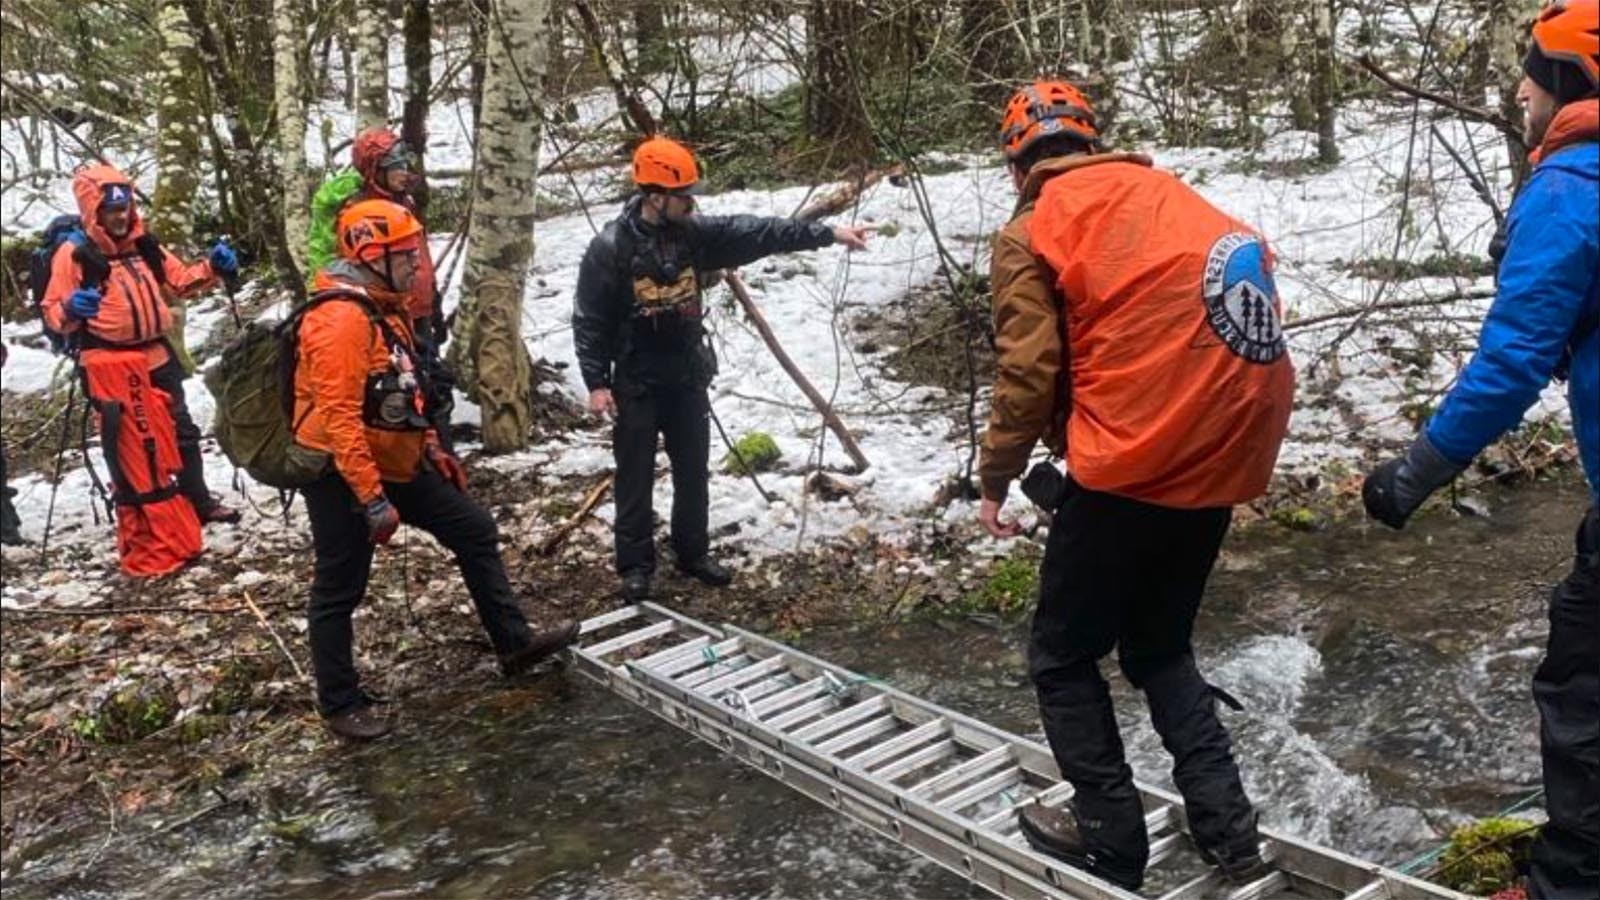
(1471, 112)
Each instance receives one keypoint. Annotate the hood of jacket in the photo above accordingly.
(88, 186)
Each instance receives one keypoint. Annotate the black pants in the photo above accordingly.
(1125, 575)
(344, 560)
(169, 377)
(681, 417)
(1566, 689)
(10, 524)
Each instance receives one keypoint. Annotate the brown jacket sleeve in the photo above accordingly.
(1028, 343)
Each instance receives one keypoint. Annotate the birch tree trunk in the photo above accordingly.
(372, 63)
(177, 148)
(490, 361)
(288, 42)
(1325, 80)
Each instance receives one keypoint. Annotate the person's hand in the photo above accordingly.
(852, 236)
(84, 303)
(382, 520)
(223, 260)
(1395, 489)
(989, 518)
(601, 403)
(448, 466)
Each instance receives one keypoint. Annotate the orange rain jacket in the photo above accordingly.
(339, 349)
(133, 304)
(1180, 384)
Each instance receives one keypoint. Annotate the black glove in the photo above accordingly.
(1395, 489)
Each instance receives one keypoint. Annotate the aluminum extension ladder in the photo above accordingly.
(942, 784)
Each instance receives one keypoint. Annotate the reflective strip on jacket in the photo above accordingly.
(1181, 385)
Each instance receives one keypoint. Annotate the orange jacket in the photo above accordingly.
(133, 304)
(339, 349)
(1181, 385)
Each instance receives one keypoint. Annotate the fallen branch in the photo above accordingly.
(617, 73)
(101, 612)
(1501, 123)
(742, 294)
(549, 544)
(261, 617)
(845, 195)
(1416, 303)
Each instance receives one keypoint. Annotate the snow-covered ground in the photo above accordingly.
(1315, 221)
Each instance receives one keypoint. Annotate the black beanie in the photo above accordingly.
(1562, 79)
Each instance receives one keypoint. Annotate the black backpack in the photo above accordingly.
(96, 267)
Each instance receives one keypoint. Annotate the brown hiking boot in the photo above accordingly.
(1240, 866)
(541, 647)
(362, 723)
(218, 512)
(1054, 831)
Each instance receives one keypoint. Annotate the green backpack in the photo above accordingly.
(325, 205)
(253, 384)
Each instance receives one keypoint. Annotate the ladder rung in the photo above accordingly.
(678, 665)
(914, 761)
(842, 719)
(804, 712)
(1164, 846)
(1206, 884)
(981, 790)
(655, 659)
(1158, 818)
(767, 687)
(747, 675)
(1006, 813)
(977, 765)
(803, 691)
(871, 756)
(856, 736)
(623, 641)
(1372, 890)
(1269, 886)
(693, 680)
(590, 626)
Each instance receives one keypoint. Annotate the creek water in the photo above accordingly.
(1385, 679)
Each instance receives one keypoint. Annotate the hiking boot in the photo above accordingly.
(218, 512)
(362, 723)
(707, 571)
(636, 586)
(1054, 832)
(541, 647)
(1239, 866)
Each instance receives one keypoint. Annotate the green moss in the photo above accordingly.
(234, 688)
(130, 713)
(198, 728)
(1012, 584)
(1483, 857)
(1298, 518)
(755, 450)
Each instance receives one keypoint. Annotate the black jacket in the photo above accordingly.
(610, 339)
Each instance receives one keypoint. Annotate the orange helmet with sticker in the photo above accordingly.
(1042, 109)
(662, 165)
(370, 229)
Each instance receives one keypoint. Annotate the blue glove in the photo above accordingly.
(84, 303)
(223, 260)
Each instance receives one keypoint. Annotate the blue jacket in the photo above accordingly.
(1548, 284)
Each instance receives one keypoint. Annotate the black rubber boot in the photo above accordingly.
(707, 571)
(635, 586)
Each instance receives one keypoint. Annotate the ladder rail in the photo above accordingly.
(844, 740)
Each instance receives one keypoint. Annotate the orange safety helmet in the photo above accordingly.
(1569, 31)
(370, 229)
(1045, 108)
(664, 166)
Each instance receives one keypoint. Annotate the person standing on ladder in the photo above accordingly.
(637, 326)
(1544, 323)
(1137, 328)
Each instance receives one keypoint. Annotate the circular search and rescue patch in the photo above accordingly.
(1241, 300)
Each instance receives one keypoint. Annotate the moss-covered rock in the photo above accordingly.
(1483, 857)
(234, 688)
(756, 450)
(130, 712)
